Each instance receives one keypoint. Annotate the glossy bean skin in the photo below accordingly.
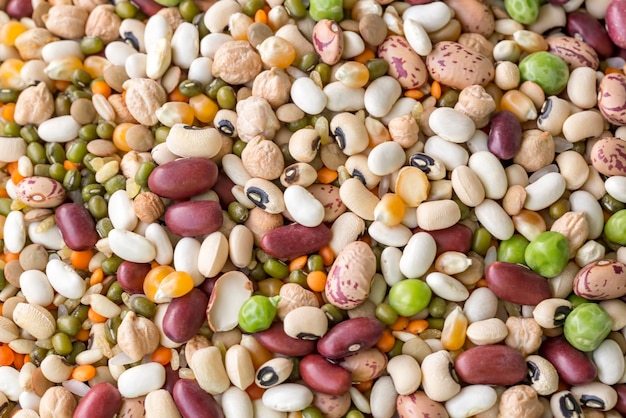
(18, 9)
(491, 365)
(130, 276)
(275, 339)
(455, 238)
(616, 22)
(193, 402)
(350, 337)
(194, 217)
(185, 315)
(294, 240)
(517, 283)
(573, 365)
(223, 187)
(505, 135)
(324, 376)
(102, 401)
(77, 226)
(181, 179)
(591, 31)
(621, 398)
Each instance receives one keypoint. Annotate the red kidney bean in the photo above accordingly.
(517, 283)
(223, 188)
(181, 179)
(505, 135)
(194, 217)
(591, 31)
(275, 339)
(171, 377)
(294, 240)
(77, 226)
(323, 376)
(350, 337)
(103, 400)
(573, 366)
(184, 316)
(130, 276)
(193, 402)
(18, 9)
(458, 237)
(615, 19)
(491, 365)
(208, 285)
(149, 7)
(621, 398)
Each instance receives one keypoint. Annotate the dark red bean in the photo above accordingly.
(103, 400)
(130, 276)
(223, 188)
(458, 237)
(181, 179)
(621, 398)
(194, 217)
(323, 376)
(591, 31)
(516, 283)
(505, 135)
(294, 240)
(491, 365)
(77, 226)
(19, 9)
(350, 337)
(149, 7)
(573, 366)
(193, 402)
(275, 339)
(615, 19)
(184, 316)
(171, 377)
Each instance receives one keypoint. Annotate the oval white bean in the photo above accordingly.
(418, 255)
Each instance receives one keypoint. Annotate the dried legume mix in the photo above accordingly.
(303, 209)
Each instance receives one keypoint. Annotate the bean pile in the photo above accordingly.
(303, 209)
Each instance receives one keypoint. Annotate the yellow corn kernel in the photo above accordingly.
(153, 279)
(353, 74)
(119, 136)
(63, 68)
(277, 52)
(203, 107)
(96, 65)
(390, 210)
(174, 285)
(172, 113)
(10, 31)
(454, 330)
(10, 74)
(517, 102)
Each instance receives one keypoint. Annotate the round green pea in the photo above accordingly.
(257, 313)
(587, 326)
(410, 296)
(62, 343)
(523, 11)
(326, 9)
(512, 250)
(547, 254)
(386, 314)
(548, 71)
(276, 268)
(68, 324)
(188, 9)
(615, 227)
(481, 240)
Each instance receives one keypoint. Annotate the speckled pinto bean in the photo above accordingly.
(505, 135)
(323, 376)
(491, 365)
(102, 401)
(350, 337)
(573, 366)
(185, 315)
(77, 226)
(181, 179)
(194, 217)
(294, 240)
(193, 402)
(601, 280)
(275, 339)
(516, 283)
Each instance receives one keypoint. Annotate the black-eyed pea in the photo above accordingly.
(564, 404)
(273, 372)
(304, 144)
(302, 174)
(595, 395)
(265, 194)
(306, 322)
(357, 166)
(553, 114)
(551, 313)
(349, 132)
(225, 121)
(542, 375)
(450, 154)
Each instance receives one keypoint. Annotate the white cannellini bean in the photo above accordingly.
(381, 94)
(544, 191)
(288, 397)
(141, 380)
(303, 206)
(36, 287)
(342, 98)
(418, 255)
(584, 201)
(405, 372)
(386, 158)
(471, 400)
(394, 236)
(616, 187)
(432, 16)
(157, 235)
(236, 403)
(482, 304)
(491, 173)
(136, 65)
(14, 231)
(390, 265)
(131, 246)
(104, 306)
(450, 154)
(609, 361)
(241, 246)
(447, 287)
(121, 211)
(9, 383)
(417, 37)
(451, 125)
(117, 52)
(185, 45)
(493, 217)
(186, 255)
(61, 49)
(51, 238)
(308, 96)
(213, 254)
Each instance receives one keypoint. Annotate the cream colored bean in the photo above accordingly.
(581, 87)
(450, 154)
(616, 309)
(358, 199)
(467, 186)
(582, 125)
(584, 201)
(239, 367)
(381, 94)
(287, 397)
(209, 370)
(346, 229)
(491, 173)
(344, 99)
(394, 236)
(594, 184)
(447, 287)
(131, 246)
(383, 397)
(141, 380)
(405, 372)
(487, 331)
(213, 254)
(507, 75)
(544, 191)
(240, 246)
(390, 265)
(437, 381)
(121, 211)
(491, 215)
(471, 400)
(451, 125)
(573, 168)
(186, 255)
(157, 235)
(609, 361)
(418, 255)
